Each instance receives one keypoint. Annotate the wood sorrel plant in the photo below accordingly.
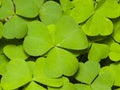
(59, 45)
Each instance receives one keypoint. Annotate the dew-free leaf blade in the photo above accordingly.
(34, 86)
(87, 72)
(6, 9)
(17, 74)
(28, 9)
(41, 77)
(50, 12)
(38, 40)
(1, 29)
(61, 62)
(38, 2)
(82, 87)
(82, 10)
(98, 25)
(14, 28)
(98, 52)
(69, 35)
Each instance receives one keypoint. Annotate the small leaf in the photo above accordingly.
(15, 52)
(109, 8)
(14, 28)
(104, 81)
(60, 62)
(98, 25)
(114, 52)
(82, 87)
(95, 52)
(82, 10)
(69, 35)
(1, 29)
(28, 9)
(34, 86)
(38, 41)
(6, 9)
(16, 75)
(87, 72)
(50, 12)
(41, 77)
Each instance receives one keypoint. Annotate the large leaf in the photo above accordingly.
(34, 86)
(82, 87)
(68, 34)
(60, 62)
(16, 75)
(15, 52)
(6, 9)
(1, 29)
(87, 72)
(38, 2)
(95, 52)
(114, 52)
(108, 8)
(41, 77)
(104, 81)
(14, 28)
(38, 40)
(28, 9)
(98, 25)
(50, 12)
(82, 10)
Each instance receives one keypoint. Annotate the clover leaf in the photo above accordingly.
(73, 37)
(34, 86)
(6, 9)
(17, 74)
(15, 52)
(49, 10)
(28, 9)
(114, 52)
(87, 71)
(60, 62)
(40, 76)
(14, 28)
(38, 40)
(95, 52)
(82, 87)
(98, 25)
(1, 28)
(82, 10)
(108, 8)
(38, 3)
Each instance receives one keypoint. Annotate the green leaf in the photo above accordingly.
(87, 72)
(1, 29)
(28, 9)
(104, 81)
(82, 87)
(31, 65)
(82, 10)
(34, 86)
(98, 25)
(38, 40)
(15, 52)
(50, 12)
(95, 52)
(6, 9)
(115, 68)
(38, 2)
(60, 62)
(69, 35)
(41, 77)
(109, 8)
(16, 75)
(114, 52)
(116, 31)
(14, 28)
(3, 64)
(0, 3)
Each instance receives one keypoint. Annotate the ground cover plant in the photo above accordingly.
(59, 45)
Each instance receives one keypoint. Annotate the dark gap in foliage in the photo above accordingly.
(43, 85)
(83, 58)
(73, 80)
(94, 79)
(105, 62)
(31, 58)
(115, 87)
(0, 77)
(14, 6)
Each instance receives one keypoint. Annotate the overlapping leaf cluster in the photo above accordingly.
(59, 45)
